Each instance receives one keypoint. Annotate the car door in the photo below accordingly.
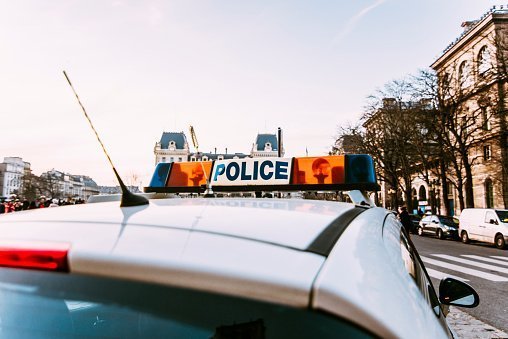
(416, 270)
(489, 227)
(424, 223)
(475, 224)
(434, 224)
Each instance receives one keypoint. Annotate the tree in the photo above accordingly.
(49, 185)
(385, 132)
(434, 156)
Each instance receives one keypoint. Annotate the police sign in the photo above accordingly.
(248, 171)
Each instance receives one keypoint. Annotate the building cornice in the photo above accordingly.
(490, 18)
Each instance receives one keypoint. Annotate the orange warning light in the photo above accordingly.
(319, 170)
(186, 174)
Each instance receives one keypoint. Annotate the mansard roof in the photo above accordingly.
(178, 137)
(262, 139)
(89, 182)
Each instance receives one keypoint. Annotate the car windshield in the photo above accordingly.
(56, 305)
(503, 215)
(448, 221)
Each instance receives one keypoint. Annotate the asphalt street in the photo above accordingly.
(482, 266)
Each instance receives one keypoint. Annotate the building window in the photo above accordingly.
(204, 158)
(484, 61)
(163, 159)
(489, 194)
(268, 147)
(486, 118)
(464, 75)
(450, 188)
(220, 157)
(422, 195)
(180, 159)
(487, 152)
(171, 159)
(193, 158)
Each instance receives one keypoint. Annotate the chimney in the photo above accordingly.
(226, 150)
(279, 142)
(467, 25)
(215, 150)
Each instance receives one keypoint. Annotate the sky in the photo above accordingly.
(232, 69)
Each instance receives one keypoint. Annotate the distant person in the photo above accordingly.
(405, 219)
(420, 213)
(26, 204)
(42, 202)
(18, 205)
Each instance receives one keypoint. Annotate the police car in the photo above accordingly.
(223, 267)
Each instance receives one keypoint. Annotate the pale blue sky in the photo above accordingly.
(230, 68)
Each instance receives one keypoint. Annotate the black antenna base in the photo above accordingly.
(130, 199)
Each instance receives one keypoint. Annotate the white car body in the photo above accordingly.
(256, 248)
(483, 224)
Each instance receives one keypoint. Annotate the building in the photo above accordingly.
(12, 171)
(266, 145)
(57, 184)
(173, 147)
(472, 76)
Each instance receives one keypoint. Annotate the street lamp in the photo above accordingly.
(434, 194)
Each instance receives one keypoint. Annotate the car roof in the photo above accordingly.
(281, 222)
(261, 243)
(286, 251)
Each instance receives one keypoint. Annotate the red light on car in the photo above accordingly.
(48, 256)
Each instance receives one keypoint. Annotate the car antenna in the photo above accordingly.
(128, 198)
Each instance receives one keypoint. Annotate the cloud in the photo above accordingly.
(351, 23)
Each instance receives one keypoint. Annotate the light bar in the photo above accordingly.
(48, 256)
(326, 173)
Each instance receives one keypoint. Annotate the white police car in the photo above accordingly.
(222, 267)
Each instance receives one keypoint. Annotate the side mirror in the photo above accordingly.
(457, 293)
(493, 221)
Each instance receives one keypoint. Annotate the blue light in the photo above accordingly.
(360, 169)
(160, 175)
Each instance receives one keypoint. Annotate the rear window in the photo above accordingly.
(56, 305)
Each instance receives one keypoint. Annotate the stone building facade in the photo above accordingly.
(57, 184)
(473, 72)
(12, 171)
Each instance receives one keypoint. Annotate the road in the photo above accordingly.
(480, 265)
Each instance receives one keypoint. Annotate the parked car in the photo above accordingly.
(439, 225)
(484, 224)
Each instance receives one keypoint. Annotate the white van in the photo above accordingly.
(484, 224)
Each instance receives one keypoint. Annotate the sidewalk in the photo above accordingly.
(466, 326)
